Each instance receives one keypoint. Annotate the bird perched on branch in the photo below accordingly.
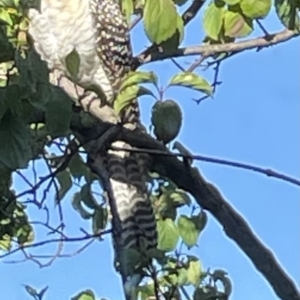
(97, 32)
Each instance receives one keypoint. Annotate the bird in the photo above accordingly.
(99, 33)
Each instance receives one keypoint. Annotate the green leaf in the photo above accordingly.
(31, 291)
(65, 182)
(175, 40)
(180, 2)
(5, 242)
(127, 9)
(72, 63)
(236, 26)
(42, 292)
(255, 9)
(146, 291)
(200, 220)
(287, 11)
(58, 112)
(87, 197)
(193, 81)
(6, 52)
(77, 205)
(213, 19)
(166, 207)
(193, 271)
(25, 234)
(157, 254)
(232, 2)
(167, 235)
(138, 77)
(15, 150)
(188, 231)
(77, 167)
(206, 292)
(85, 295)
(130, 259)
(3, 105)
(99, 219)
(5, 16)
(12, 99)
(38, 67)
(221, 276)
(176, 276)
(180, 197)
(159, 19)
(182, 277)
(128, 95)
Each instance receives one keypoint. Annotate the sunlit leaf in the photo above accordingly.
(287, 12)
(85, 295)
(237, 26)
(167, 235)
(138, 77)
(213, 19)
(127, 9)
(5, 16)
(188, 230)
(255, 9)
(180, 197)
(232, 2)
(159, 19)
(146, 291)
(128, 95)
(194, 270)
(5, 242)
(193, 81)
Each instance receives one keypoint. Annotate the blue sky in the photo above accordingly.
(253, 118)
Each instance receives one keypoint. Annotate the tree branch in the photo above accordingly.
(267, 172)
(207, 195)
(209, 198)
(208, 50)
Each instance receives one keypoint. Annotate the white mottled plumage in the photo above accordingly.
(99, 33)
(54, 38)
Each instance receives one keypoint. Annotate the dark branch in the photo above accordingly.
(209, 198)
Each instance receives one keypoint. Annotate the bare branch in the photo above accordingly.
(208, 50)
(58, 240)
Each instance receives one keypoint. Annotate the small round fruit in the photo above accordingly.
(166, 119)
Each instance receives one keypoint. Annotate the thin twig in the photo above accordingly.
(68, 240)
(267, 172)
